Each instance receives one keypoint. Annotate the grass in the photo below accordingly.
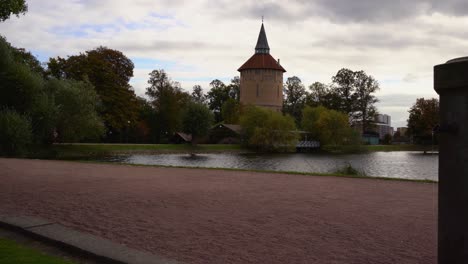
(82, 150)
(399, 148)
(336, 174)
(11, 252)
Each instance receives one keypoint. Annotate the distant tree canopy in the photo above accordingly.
(353, 94)
(330, 127)
(197, 94)
(196, 120)
(12, 7)
(168, 101)
(109, 71)
(267, 130)
(295, 97)
(423, 117)
(230, 111)
(26, 97)
(220, 93)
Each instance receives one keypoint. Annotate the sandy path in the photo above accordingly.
(215, 216)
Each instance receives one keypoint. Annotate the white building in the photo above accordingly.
(383, 125)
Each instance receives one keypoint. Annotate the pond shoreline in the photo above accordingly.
(318, 174)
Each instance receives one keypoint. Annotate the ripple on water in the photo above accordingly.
(402, 164)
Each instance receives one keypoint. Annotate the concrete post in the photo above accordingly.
(451, 83)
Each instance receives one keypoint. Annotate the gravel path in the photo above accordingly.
(216, 216)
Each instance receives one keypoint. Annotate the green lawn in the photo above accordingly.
(400, 148)
(11, 252)
(73, 151)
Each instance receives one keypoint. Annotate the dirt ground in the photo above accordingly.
(216, 216)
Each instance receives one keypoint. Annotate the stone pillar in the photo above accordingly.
(451, 83)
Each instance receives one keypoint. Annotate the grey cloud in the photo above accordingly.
(340, 11)
(400, 100)
(384, 10)
(165, 45)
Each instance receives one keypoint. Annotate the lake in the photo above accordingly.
(398, 164)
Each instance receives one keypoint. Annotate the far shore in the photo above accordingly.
(80, 149)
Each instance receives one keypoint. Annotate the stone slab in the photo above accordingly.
(23, 221)
(104, 249)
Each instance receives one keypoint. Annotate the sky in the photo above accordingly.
(195, 41)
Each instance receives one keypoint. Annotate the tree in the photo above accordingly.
(77, 117)
(234, 88)
(423, 117)
(168, 100)
(330, 127)
(197, 94)
(230, 111)
(24, 57)
(109, 71)
(15, 132)
(353, 93)
(295, 95)
(344, 86)
(46, 104)
(23, 90)
(196, 120)
(12, 7)
(365, 87)
(318, 94)
(267, 130)
(218, 94)
(310, 117)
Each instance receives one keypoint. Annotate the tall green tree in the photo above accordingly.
(44, 104)
(344, 87)
(23, 90)
(109, 71)
(330, 127)
(197, 94)
(268, 130)
(231, 111)
(168, 100)
(197, 120)
(218, 94)
(12, 7)
(295, 97)
(234, 88)
(15, 132)
(353, 93)
(77, 117)
(365, 109)
(423, 117)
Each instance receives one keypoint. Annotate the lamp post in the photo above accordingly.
(451, 83)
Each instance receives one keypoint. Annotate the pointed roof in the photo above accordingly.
(262, 42)
(261, 61)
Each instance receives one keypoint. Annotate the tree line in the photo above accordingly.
(88, 97)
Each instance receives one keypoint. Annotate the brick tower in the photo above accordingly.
(261, 77)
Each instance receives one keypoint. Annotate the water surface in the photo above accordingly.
(401, 164)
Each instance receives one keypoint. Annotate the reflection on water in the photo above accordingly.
(403, 164)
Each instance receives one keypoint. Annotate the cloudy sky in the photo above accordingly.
(195, 41)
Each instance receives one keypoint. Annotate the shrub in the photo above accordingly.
(266, 130)
(347, 169)
(15, 133)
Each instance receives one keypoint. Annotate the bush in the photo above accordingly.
(266, 130)
(15, 133)
(347, 169)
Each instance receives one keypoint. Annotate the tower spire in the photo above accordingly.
(262, 42)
